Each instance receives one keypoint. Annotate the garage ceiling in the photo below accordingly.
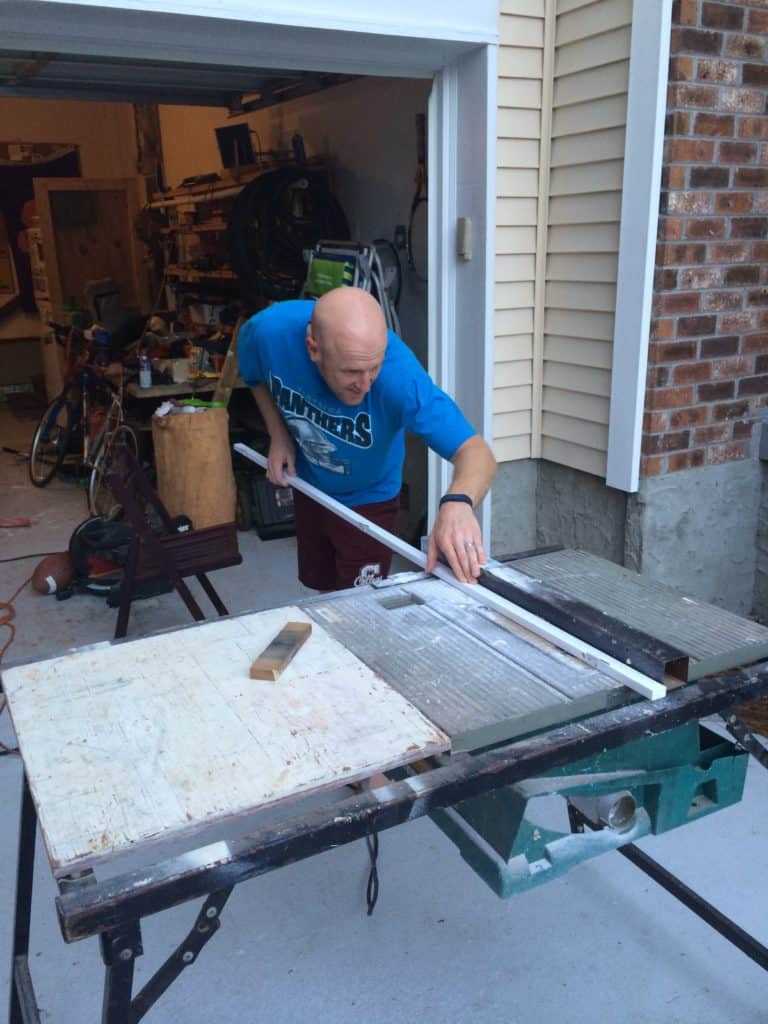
(82, 77)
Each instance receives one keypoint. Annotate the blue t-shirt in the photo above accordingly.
(352, 452)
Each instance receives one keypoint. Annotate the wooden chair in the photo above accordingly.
(170, 551)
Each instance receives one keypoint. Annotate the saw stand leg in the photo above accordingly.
(738, 728)
(23, 1008)
(747, 943)
(120, 947)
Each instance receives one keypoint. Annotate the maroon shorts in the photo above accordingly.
(333, 554)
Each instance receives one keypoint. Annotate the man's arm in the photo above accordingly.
(456, 533)
(282, 451)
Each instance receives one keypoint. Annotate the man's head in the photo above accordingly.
(347, 341)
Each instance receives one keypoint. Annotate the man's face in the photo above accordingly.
(349, 368)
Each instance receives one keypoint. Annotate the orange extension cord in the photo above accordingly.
(7, 614)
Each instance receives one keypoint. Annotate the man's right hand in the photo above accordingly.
(281, 460)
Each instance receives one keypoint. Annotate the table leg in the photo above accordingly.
(119, 949)
(23, 1007)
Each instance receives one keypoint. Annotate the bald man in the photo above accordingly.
(337, 391)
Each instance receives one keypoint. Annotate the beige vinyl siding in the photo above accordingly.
(519, 99)
(591, 70)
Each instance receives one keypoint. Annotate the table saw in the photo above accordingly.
(134, 747)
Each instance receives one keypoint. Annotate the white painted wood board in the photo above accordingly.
(129, 743)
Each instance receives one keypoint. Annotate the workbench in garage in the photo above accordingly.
(133, 747)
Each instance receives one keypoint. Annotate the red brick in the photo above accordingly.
(755, 343)
(713, 434)
(677, 302)
(743, 431)
(758, 297)
(716, 392)
(751, 177)
(670, 398)
(754, 385)
(734, 202)
(749, 227)
(654, 422)
(699, 277)
(718, 301)
(670, 229)
(760, 251)
(719, 125)
(736, 152)
(709, 227)
(685, 460)
(750, 127)
(686, 202)
(761, 206)
(652, 465)
(743, 274)
(692, 326)
(690, 151)
(761, 363)
(726, 71)
(736, 366)
(746, 47)
(755, 74)
(738, 323)
(654, 444)
(673, 176)
(656, 376)
(730, 411)
(691, 373)
(693, 40)
(685, 12)
(710, 177)
(664, 279)
(675, 254)
(692, 417)
(762, 156)
(673, 351)
(662, 330)
(744, 101)
(685, 94)
(677, 122)
(724, 16)
(681, 69)
(713, 347)
(719, 453)
(758, 23)
(730, 252)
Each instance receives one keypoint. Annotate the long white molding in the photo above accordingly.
(612, 667)
(643, 153)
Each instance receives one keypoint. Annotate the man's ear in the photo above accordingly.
(312, 347)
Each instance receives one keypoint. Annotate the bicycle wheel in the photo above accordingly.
(101, 500)
(51, 441)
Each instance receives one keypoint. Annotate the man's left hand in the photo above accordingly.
(456, 535)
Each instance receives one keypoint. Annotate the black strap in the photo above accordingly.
(372, 889)
(456, 497)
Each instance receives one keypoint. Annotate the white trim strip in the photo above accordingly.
(612, 667)
(643, 153)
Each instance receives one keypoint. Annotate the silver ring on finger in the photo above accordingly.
(469, 544)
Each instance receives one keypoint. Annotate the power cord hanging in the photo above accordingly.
(372, 889)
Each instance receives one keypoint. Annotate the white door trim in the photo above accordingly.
(643, 155)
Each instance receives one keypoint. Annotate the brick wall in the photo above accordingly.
(708, 354)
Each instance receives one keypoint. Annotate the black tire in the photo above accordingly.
(51, 441)
(101, 500)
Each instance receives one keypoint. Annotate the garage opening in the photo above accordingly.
(135, 216)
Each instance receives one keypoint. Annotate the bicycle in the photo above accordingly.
(65, 428)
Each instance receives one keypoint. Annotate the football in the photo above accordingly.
(54, 572)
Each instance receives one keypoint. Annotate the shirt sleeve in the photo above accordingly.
(250, 351)
(432, 415)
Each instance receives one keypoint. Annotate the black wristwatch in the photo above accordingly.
(465, 498)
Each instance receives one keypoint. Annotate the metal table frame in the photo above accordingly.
(114, 908)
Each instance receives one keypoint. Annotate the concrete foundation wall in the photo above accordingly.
(513, 508)
(761, 569)
(697, 530)
(577, 510)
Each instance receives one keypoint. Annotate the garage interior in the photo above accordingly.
(331, 961)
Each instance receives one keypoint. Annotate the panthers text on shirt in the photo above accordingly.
(354, 430)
